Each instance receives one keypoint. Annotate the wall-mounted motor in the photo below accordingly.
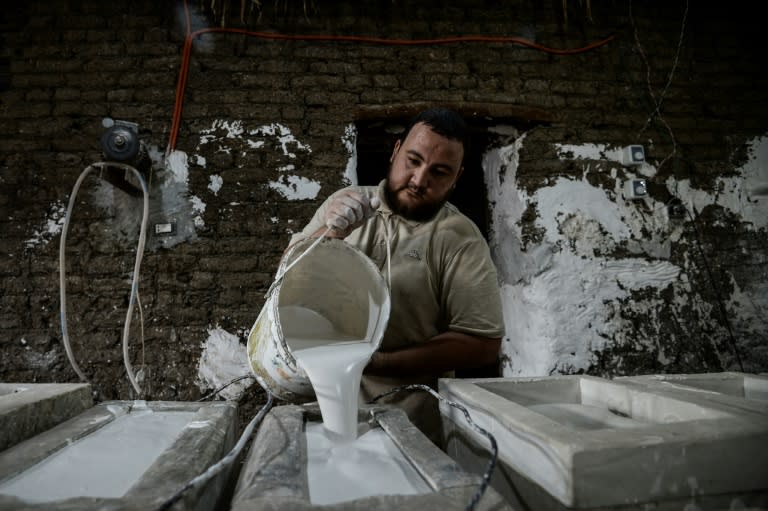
(120, 143)
(121, 140)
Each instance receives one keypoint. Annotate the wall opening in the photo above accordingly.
(375, 140)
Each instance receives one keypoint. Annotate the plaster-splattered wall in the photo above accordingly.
(612, 284)
(591, 280)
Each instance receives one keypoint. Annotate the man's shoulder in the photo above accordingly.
(452, 222)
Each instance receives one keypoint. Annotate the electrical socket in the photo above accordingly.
(165, 228)
(633, 155)
(635, 189)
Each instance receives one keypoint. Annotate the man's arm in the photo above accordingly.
(447, 351)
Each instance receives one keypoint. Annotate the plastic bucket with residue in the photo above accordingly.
(333, 287)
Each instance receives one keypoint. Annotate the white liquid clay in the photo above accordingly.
(335, 371)
(334, 362)
(105, 463)
(371, 465)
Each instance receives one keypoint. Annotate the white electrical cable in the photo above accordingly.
(388, 236)
(134, 283)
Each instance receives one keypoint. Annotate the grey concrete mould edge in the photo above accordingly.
(38, 408)
(45, 444)
(671, 385)
(281, 443)
(491, 410)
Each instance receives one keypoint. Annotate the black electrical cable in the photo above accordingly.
(718, 295)
(486, 480)
(213, 393)
(213, 470)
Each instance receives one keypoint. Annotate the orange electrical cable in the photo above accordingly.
(184, 68)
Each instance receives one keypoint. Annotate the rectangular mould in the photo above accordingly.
(743, 391)
(274, 474)
(206, 438)
(27, 409)
(581, 442)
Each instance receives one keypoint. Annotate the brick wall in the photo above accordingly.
(73, 63)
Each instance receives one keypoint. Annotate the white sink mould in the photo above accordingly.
(30, 408)
(274, 475)
(120, 455)
(743, 391)
(581, 442)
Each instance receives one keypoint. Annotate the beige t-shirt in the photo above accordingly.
(442, 279)
(442, 274)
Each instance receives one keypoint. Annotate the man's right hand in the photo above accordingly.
(348, 210)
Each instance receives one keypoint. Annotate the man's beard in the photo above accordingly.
(418, 213)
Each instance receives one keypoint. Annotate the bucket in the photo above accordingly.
(321, 286)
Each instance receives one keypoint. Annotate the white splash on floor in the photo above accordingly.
(223, 359)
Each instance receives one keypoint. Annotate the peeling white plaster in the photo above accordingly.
(560, 294)
(51, 225)
(292, 187)
(349, 139)
(284, 138)
(215, 182)
(296, 187)
(198, 208)
(200, 160)
(745, 194)
(223, 359)
(599, 152)
(177, 165)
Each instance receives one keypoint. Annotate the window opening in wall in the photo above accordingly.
(375, 141)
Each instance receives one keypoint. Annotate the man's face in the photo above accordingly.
(422, 172)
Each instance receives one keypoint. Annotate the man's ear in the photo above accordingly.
(394, 151)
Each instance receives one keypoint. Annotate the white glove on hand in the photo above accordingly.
(348, 210)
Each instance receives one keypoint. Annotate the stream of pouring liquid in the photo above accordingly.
(334, 363)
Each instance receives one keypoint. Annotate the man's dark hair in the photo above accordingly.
(444, 122)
